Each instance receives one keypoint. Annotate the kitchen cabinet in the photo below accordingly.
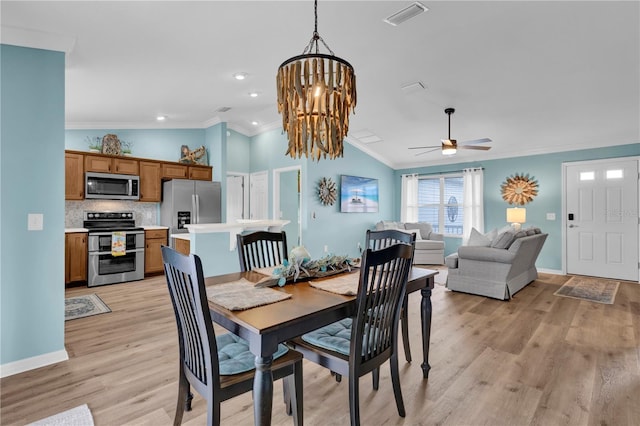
(150, 181)
(182, 246)
(109, 164)
(174, 171)
(154, 239)
(76, 254)
(200, 173)
(73, 176)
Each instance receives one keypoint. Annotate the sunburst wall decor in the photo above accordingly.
(327, 191)
(519, 189)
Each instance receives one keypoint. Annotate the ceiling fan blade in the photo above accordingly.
(425, 147)
(426, 152)
(482, 148)
(475, 141)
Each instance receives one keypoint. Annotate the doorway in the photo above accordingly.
(600, 218)
(259, 195)
(287, 202)
(237, 196)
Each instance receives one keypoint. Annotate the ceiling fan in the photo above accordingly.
(450, 146)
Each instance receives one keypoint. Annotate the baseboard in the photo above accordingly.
(15, 367)
(550, 271)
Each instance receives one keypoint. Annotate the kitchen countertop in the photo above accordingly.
(72, 230)
(234, 227)
(152, 227)
(184, 236)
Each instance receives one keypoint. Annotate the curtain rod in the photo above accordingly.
(445, 172)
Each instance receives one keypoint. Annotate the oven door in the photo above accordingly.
(105, 268)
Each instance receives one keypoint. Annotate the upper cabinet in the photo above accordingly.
(150, 181)
(110, 164)
(73, 176)
(151, 172)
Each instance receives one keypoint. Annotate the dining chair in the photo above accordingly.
(261, 249)
(217, 367)
(377, 240)
(355, 346)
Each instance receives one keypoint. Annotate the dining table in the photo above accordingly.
(308, 308)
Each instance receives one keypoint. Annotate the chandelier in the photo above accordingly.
(316, 93)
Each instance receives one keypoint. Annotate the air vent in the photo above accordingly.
(412, 87)
(223, 109)
(405, 14)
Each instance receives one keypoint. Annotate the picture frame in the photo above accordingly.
(358, 194)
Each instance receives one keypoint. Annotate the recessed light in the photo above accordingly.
(161, 117)
(240, 75)
(255, 123)
(405, 14)
(254, 94)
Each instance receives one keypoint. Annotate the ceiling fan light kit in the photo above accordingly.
(316, 94)
(450, 146)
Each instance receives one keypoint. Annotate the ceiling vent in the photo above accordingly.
(223, 109)
(412, 87)
(405, 14)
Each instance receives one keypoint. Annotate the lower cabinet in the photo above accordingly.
(154, 239)
(183, 246)
(75, 257)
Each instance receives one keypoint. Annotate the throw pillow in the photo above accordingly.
(478, 239)
(504, 240)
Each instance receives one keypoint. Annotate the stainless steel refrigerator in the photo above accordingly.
(187, 202)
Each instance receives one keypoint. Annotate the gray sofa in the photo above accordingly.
(498, 270)
(429, 245)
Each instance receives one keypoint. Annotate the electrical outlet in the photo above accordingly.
(326, 249)
(35, 221)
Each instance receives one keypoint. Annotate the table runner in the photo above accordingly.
(242, 294)
(345, 284)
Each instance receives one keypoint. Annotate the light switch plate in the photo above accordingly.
(551, 216)
(35, 221)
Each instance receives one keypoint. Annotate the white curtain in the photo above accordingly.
(409, 201)
(473, 205)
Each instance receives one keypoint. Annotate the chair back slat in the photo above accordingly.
(383, 280)
(261, 249)
(198, 350)
(377, 240)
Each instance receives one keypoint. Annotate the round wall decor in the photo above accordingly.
(519, 189)
(327, 191)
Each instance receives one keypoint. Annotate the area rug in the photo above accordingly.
(592, 289)
(84, 306)
(79, 416)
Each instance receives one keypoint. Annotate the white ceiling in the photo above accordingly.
(534, 76)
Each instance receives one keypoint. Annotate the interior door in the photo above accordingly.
(259, 195)
(602, 218)
(235, 197)
(289, 205)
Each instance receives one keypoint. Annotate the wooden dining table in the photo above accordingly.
(308, 308)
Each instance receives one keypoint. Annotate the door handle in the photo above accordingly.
(573, 226)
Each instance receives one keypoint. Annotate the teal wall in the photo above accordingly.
(238, 152)
(547, 170)
(32, 150)
(159, 144)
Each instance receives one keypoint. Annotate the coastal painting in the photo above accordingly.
(358, 194)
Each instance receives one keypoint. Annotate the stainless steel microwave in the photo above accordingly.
(111, 186)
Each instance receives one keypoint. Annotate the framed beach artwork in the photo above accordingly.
(358, 194)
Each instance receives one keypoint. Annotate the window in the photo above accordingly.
(440, 203)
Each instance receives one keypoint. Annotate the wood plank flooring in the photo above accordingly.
(538, 359)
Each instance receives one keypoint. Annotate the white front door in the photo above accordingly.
(601, 218)
(259, 195)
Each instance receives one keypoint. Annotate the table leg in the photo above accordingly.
(425, 314)
(263, 391)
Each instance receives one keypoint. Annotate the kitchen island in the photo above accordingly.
(215, 243)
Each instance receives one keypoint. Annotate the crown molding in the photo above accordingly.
(24, 37)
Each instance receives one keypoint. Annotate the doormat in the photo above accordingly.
(80, 416)
(84, 306)
(592, 289)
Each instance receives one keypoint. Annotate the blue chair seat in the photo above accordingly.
(234, 354)
(334, 337)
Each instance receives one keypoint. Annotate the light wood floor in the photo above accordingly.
(538, 359)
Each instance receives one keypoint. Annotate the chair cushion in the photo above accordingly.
(429, 245)
(334, 337)
(424, 228)
(234, 355)
(504, 240)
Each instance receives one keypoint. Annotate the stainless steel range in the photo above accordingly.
(116, 248)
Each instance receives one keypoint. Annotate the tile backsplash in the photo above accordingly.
(146, 214)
